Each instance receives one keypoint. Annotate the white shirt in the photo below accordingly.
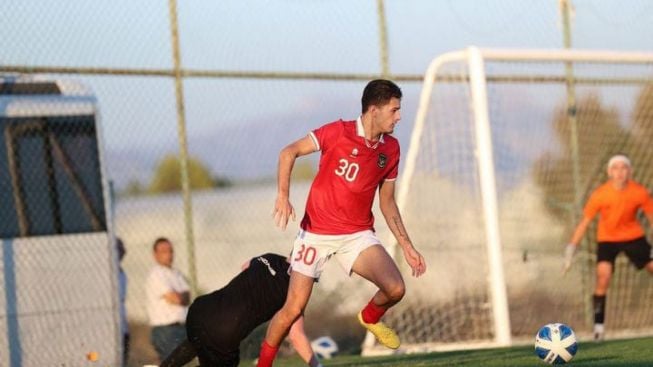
(160, 281)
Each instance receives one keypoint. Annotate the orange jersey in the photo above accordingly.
(618, 211)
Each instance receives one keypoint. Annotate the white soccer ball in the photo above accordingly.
(324, 347)
(556, 343)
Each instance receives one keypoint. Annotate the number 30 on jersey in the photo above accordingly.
(348, 170)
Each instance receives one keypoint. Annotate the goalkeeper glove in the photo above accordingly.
(570, 251)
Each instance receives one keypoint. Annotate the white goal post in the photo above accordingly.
(505, 148)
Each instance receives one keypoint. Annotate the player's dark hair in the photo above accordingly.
(379, 92)
(158, 241)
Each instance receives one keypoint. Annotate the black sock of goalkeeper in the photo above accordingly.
(599, 309)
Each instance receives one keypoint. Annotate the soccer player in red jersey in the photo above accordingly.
(358, 158)
(617, 202)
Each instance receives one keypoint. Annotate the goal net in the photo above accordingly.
(506, 147)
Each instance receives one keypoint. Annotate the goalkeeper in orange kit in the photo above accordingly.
(617, 202)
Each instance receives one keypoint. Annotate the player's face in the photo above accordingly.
(163, 254)
(619, 173)
(387, 116)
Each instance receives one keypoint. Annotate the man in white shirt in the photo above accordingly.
(168, 297)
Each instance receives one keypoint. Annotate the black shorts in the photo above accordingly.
(638, 251)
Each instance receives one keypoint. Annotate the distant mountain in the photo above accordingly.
(244, 151)
(134, 164)
(249, 150)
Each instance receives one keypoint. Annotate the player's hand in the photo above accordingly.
(415, 260)
(570, 252)
(177, 298)
(283, 211)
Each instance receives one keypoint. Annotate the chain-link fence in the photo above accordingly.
(447, 194)
(225, 85)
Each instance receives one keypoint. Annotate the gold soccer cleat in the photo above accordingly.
(383, 333)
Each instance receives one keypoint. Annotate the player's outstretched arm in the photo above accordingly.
(302, 345)
(649, 216)
(572, 246)
(393, 218)
(283, 209)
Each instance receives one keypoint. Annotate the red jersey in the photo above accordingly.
(618, 211)
(350, 171)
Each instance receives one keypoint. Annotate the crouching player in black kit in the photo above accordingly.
(219, 321)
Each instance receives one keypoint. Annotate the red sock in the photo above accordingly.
(372, 313)
(267, 355)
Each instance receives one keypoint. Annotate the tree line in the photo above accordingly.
(600, 134)
(167, 177)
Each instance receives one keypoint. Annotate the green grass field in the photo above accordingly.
(621, 353)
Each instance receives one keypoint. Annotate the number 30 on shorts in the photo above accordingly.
(306, 254)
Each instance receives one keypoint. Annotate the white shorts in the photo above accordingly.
(311, 251)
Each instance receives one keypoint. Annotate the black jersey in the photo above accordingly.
(222, 319)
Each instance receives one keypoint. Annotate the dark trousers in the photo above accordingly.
(165, 338)
(125, 349)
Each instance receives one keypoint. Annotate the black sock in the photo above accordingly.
(599, 309)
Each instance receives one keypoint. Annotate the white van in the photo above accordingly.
(58, 266)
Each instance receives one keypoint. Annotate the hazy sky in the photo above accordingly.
(338, 36)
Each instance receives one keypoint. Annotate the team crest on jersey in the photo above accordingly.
(383, 160)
